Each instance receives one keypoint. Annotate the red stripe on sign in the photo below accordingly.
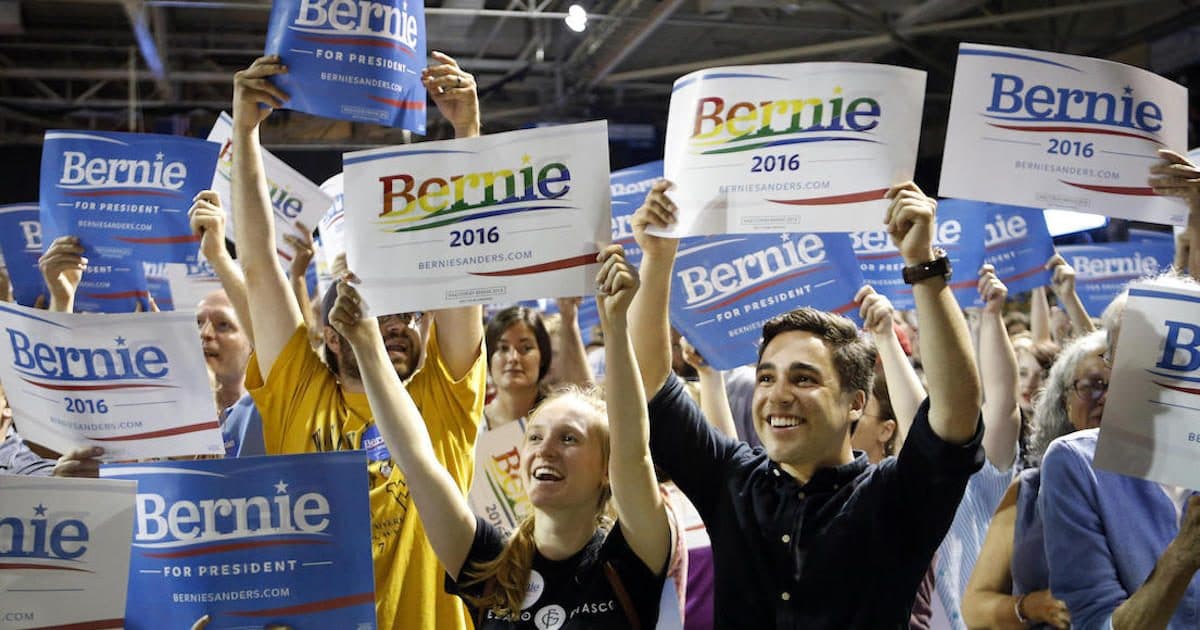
(123, 191)
(1138, 191)
(159, 240)
(357, 41)
(92, 388)
(120, 295)
(413, 105)
(845, 308)
(1023, 274)
(99, 624)
(22, 565)
(312, 607)
(1063, 129)
(866, 195)
(1186, 390)
(554, 265)
(251, 544)
(191, 428)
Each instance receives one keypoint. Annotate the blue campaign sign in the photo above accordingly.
(159, 286)
(125, 195)
(357, 61)
(1016, 240)
(1102, 271)
(251, 541)
(725, 287)
(629, 188)
(960, 234)
(21, 244)
(111, 286)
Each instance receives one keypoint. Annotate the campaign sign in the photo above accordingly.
(159, 286)
(1015, 241)
(793, 147)
(21, 244)
(961, 234)
(1102, 271)
(726, 287)
(1047, 130)
(60, 536)
(112, 286)
(293, 197)
(331, 233)
(1151, 424)
(251, 541)
(497, 494)
(134, 384)
(190, 283)
(357, 61)
(497, 218)
(125, 195)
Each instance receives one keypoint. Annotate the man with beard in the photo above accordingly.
(308, 407)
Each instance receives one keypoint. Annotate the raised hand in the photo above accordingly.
(62, 267)
(616, 283)
(910, 222)
(81, 462)
(453, 90)
(658, 211)
(1062, 279)
(207, 219)
(876, 310)
(568, 307)
(692, 356)
(348, 316)
(1175, 176)
(5, 286)
(303, 249)
(991, 290)
(254, 96)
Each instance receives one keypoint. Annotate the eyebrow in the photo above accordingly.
(796, 365)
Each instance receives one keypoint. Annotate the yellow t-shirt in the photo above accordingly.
(304, 410)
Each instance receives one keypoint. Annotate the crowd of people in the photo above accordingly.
(924, 471)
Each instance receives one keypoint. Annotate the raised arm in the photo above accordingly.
(571, 359)
(714, 400)
(208, 220)
(651, 326)
(954, 390)
(449, 523)
(62, 268)
(274, 315)
(1155, 602)
(1063, 283)
(904, 386)
(1039, 316)
(303, 249)
(639, 504)
(998, 370)
(1175, 175)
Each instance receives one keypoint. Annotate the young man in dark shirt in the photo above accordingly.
(805, 533)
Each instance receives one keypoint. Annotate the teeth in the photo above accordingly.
(783, 422)
(545, 473)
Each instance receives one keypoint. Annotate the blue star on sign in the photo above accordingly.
(120, 341)
(1128, 90)
(39, 509)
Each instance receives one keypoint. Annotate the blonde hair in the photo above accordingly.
(506, 577)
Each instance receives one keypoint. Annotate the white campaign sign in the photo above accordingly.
(789, 148)
(1151, 424)
(1046, 130)
(64, 551)
(293, 197)
(134, 384)
(191, 283)
(497, 218)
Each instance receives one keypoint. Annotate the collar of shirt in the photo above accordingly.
(826, 479)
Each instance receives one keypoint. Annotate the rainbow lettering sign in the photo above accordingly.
(1151, 424)
(357, 60)
(497, 494)
(21, 245)
(960, 234)
(1046, 130)
(1103, 271)
(787, 148)
(134, 384)
(125, 195)
(251, 541)
(294, 198)
(493, 219)
(725, 287)
(64, 551)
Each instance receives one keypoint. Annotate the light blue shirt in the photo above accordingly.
(1104, 534)
(242, 429)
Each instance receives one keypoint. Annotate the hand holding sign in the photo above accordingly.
(656, 211)
(453, 90)
(6, 294)
(616, 284)
(207, 219)
(876, 310)
(303, 250)
(1062, 279)
(79, 462)
(349, 314)
(1175, 176)
(991, 290)
(62, 267)
(910, 222)
(254, 96)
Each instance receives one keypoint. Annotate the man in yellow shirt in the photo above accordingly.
(309, 407)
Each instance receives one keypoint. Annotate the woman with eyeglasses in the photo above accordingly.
(1010, 586)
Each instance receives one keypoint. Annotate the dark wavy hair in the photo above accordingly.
(853, 356)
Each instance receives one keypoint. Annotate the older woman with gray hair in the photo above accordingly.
(1010, 584)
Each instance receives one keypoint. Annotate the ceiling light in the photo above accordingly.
(576, 18)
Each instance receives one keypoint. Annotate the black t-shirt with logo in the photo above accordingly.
(574, 593)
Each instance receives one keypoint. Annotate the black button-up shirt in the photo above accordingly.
(848, 549)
